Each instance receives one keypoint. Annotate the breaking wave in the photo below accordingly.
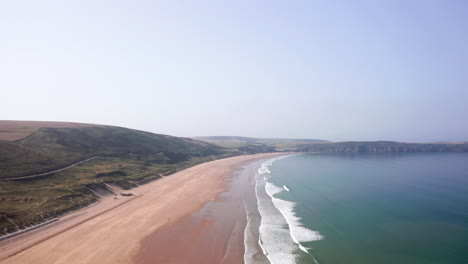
(282, 233)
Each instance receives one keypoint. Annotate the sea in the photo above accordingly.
(389, 208)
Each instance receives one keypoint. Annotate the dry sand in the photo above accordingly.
(113, 230)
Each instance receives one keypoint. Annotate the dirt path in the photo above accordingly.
(48, 173)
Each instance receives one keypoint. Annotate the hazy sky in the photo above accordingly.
(337, 70)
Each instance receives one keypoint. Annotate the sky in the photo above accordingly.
(335, 70)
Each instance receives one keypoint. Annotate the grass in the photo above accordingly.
(27, 202)
(49, 149)
(280, 144)
(126, 159)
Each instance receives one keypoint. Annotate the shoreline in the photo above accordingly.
(111, 231)
(213, 234)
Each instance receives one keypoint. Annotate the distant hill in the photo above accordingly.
(381, 146)
(254, 145)
(50, 168)
(50, 148)
(11, 130)
(53, 168)
(237, 142)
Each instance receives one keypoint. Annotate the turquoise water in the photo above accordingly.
(380, 208)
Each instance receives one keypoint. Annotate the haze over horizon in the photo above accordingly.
(333, 70)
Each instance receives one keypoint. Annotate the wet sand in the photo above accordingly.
(215, 234)
(126, 232)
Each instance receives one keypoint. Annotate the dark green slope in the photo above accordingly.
(257, 145)
(123, 158)
(52, 148)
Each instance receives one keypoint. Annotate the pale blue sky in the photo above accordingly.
(337, 70)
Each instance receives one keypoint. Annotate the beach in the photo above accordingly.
(194, 216)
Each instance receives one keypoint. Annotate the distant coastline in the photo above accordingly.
(382, 146)
(258, 145)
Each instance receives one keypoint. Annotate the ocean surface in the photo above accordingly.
(409, 208)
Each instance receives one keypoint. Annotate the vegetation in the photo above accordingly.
(257, 145)
(124, 157)
(257, 148)
(48, 149)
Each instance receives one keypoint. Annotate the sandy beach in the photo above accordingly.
(213, 234)
(194, 216)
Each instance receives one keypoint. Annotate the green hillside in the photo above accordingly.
(257, 144)
(52, 148)
(120, 156)
(55, 170)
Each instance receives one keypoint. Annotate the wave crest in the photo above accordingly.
(299, 232)
(282, 233)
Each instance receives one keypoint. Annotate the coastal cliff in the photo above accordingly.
(381, 147)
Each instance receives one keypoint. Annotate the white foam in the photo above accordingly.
(264, 168)
(274, 239)
(299, 233)
(281, 231)
(272, 189)
(249, 240)
(274, 245)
